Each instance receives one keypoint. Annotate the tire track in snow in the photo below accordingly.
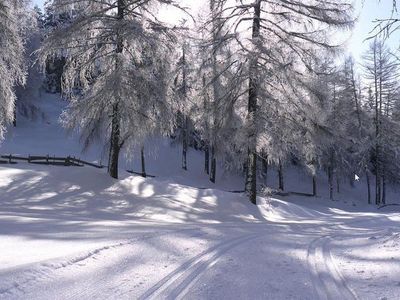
(328, 282)
(176, 283)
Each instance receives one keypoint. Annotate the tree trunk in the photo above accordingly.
(280, 176)
(330, 173)
(330, 180)
(337, 184)
(213, 165)
(377, 135)
(368, 186)
(184, 144)
(251, 184)
(216, 90)
(143, 162)
(383, 189)
(185, 118)
(265, 169)
(314, 185)
(251, 178)
(354, 88)
(15, 116)
(207, 159)
(351, 179)
(377, 188)
(114, 143)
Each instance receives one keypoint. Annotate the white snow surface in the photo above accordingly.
(75, 233)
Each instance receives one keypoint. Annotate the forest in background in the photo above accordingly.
(252, 83)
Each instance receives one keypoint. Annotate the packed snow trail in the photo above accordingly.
(112, 271)
(327, 279)
(176, 283)
(74, 233)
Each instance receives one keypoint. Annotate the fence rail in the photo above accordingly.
(48, 160)
(141, 174)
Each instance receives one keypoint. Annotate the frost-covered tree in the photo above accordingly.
(103, 75)
(275, 37)
(28, 93)
(14, 22)
(52, 20)
(381, 71)
(182, 94)
(220, 88)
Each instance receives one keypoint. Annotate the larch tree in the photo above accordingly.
(104, 45)
(276, 36)
(220, 88)
(28, 93)
(14, 22)
(182, 94)
(381, 71)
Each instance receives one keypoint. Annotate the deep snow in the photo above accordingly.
(75, 233)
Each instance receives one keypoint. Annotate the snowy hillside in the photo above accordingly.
(76, 233)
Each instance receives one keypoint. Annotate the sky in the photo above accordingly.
(366, 12)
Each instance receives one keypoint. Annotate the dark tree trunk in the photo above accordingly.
(330, 174)
(114, 143)
(265, 169)
(351, 179)
(207, 159)
(356, 101)
(213, 165)
(280, 176)
(143, 162)
(15, 116)
(377, 136)
(368, 186)
(330, 180)
(185, 118)
(377, 184)
(314, 185)
(184, 144)
(383, 189)
(251, 178)
(337, 184)
(251, 181)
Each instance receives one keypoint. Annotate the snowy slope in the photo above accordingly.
(75, 233)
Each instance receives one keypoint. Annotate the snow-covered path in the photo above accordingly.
(74, 233)
(263, 261)
(149, 239)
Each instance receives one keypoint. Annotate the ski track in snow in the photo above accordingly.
(328, 281)
(177, 283)
(45, 271)
(326, 277)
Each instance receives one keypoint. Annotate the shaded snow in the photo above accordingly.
(75, 233)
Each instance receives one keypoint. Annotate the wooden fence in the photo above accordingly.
(48, 160)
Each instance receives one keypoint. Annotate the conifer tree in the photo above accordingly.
(14, 22)
(104, 45)
(278, 42)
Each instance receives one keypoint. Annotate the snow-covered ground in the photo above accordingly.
(75, 233)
